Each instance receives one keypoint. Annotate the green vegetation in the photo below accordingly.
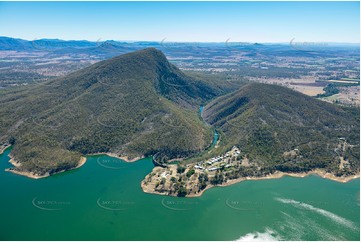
(330, 89)
(203, 179)
(217, 179)
(190, 173)
(137, 104)
(267, 121)
(182, 192)
(180, 169)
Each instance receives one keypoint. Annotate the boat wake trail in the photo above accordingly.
(268, 235)
(333, 217)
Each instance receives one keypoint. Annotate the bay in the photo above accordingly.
(103, 200)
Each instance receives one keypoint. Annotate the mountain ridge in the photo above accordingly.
(138, 104)
(267, 121)
(132, 105)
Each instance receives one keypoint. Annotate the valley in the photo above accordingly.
(180, 121)
(243, 129)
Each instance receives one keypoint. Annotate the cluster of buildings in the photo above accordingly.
(216, 163)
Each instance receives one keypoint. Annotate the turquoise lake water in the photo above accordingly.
(103, 200)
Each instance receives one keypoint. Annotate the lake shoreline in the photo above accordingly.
(319, 172)
(81, 162)
(32, 175)
(124, 158)
(3, 148)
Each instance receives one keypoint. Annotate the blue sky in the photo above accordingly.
(183, 21)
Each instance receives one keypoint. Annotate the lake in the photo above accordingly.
(103, 200)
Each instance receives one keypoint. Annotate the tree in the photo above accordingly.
(180, 169)
(190, 173)
(218, 179)
(12, 140)
(182, 192)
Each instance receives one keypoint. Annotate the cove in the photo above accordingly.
(103, 200)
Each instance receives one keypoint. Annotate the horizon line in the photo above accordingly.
(176, 41)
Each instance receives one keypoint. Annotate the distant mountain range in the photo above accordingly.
(8, 43)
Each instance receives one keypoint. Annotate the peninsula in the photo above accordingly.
(139, 105)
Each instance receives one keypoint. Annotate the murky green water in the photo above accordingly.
(103, 201)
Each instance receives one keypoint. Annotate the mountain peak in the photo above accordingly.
(133, 105)
(144, 59)
(149, 52)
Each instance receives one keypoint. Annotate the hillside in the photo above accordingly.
(138, 104)
(133, 105)
(280, 129)
(266, 131)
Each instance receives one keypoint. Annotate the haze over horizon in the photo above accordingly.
(187, 121)
(165, 41)
(262, 22)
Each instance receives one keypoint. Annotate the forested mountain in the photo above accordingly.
(286, 130)
(134, 105)
(138, 104)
